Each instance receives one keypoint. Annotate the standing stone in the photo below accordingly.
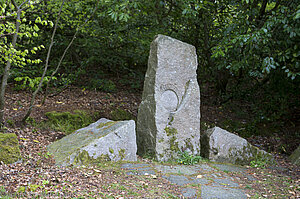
(169, 114)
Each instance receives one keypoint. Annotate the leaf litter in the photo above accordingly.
(37, 175)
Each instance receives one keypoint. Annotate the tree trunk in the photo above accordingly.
(7, 67)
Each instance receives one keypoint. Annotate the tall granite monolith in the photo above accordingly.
(169, 114)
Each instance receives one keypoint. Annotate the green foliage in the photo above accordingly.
(188, 159)
(103, 85)
(45, 155)
(10, 123)
(67, 122)
(258, 41)
(31, 83)
(259, 163)
(27, 31)
(121, 114)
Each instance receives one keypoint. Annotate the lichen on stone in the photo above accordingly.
(173, 144)
(161, 140)
(83, 158)
(111, 150)
(170, 131)
(122, 154)
(188, 144)
(106, 124)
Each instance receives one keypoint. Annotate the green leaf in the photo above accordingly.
(36, 28)
(38, 20)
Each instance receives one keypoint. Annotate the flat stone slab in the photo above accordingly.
(184, 170)
(230, 168)
(177, 179)
(196, 180)
(202, 181)
(210, 192)
(205, 167)
(189, 193)
(133, 166)
(141, 172)
(226, 183)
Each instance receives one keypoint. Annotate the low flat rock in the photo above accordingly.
(104, 140)
(219, 145)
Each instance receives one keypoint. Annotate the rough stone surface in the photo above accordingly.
(178, 179)
(189, 193)
(177, 169)
(230, 168)
(226, 182)
(222, 146)
(102, 140)
(209, 192)
(295, 157)
(169, 114)
(197, 181)
(9, 148)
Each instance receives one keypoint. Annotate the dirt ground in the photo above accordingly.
(37, 173)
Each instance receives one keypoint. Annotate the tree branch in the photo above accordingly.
(15, 4)
(8, 34)
(8, 65)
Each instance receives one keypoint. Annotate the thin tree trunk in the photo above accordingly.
(8, 64)
(45, 69)
(62, 57)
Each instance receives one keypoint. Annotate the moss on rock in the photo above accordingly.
(174, 147)
(9, 148)
(122, 153)
(83, 158)
(111, 150)
(170, 131)
(106, 124)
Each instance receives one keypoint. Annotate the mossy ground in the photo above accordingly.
(121, 114)
(67, 122)
(9, 148)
